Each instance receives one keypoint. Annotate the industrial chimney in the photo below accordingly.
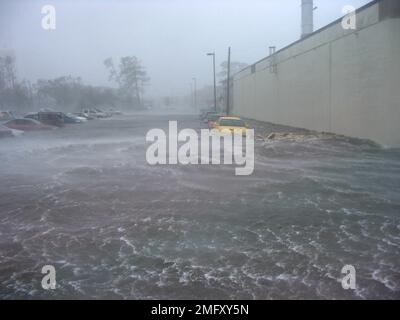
(307, 17)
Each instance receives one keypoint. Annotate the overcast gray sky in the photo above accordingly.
(171, 37)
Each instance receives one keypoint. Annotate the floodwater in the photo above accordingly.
(84, 200)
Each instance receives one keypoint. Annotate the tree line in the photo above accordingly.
(71, 93)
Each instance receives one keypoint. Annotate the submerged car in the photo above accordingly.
(27, 125)
(204, 113)
(210, 115)
(83, 115)
(51, 118)
(72, 119)
(95, 113)
(115, 112)
(6, 115)
(5, 132)
(231, 124)
(32, 115)
(212, 118)
(103, 114)
(77, 117)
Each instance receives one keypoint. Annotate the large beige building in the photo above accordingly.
(337, 80)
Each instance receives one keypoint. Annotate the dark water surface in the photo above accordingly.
(84, 199)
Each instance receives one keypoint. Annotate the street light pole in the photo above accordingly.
(228, 83)
(215, 83)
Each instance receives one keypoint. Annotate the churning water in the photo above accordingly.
(84, 199)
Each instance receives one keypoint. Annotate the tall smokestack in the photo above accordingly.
(307, 17)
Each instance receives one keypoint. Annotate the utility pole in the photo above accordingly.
(228, 82)
(215, 83)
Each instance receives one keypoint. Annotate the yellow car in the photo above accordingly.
(231, 124)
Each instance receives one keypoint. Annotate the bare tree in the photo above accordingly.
(71, 93)
(130, 76)
(236, 66)
(11, 93)
(8, 72)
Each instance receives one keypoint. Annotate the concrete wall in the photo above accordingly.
(335, 80)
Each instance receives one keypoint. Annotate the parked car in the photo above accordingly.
(46, 110)
(95, 113)
(115, 112)
(103, 114)
(89, 113)
(84, 115)
(231, 124)
(6, 115)
(26, 124)
(209, 114)
(71, 119)
(5, 132)
(212, 118)
(76, 117)
(51, 118)
(203, 113)
(32, 115)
